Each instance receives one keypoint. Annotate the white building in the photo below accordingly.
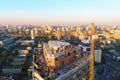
(36, 31)
(85, 46)
(5, 41)
(98, 55)
(32, 34)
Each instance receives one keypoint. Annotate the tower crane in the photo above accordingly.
(92, 46)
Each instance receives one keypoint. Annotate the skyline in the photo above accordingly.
(63, 12)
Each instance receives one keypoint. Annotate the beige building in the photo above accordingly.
(58, 54)
(117, 34)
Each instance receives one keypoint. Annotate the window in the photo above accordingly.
(62, 63)
(81, 48)
(74, 51)
(78, 75)
(70, 60)
(68, 54)
(55, 59)
(88, 49)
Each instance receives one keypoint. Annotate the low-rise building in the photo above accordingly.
(58, 54)
(116, 34)
(13, 70)
(85, 46)
(98, 55)
(6, 41)
(116, 56)
(64, 61)
(18, 60)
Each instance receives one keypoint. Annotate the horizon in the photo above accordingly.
(63, 12)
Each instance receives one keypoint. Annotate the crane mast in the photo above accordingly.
(92, 47)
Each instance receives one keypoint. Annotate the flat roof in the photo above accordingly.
(86, 41)
(58, 43)
(25, 41)
(3, 38)
(57, 54)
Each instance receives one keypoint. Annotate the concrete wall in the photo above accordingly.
(64, 59)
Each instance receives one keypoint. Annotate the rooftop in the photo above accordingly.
(117, 53)
(59, 53)
(86, 41)
(3, 38)
(58, 44)
(25, 41)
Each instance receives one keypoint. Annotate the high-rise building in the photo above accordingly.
(78, 29)
(98, 53)
(7, 26)
(32, 34)
(36, 31)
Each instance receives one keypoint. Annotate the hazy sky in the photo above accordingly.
(59, 11)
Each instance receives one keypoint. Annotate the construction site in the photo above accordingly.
(66, 53)
(64, 61)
